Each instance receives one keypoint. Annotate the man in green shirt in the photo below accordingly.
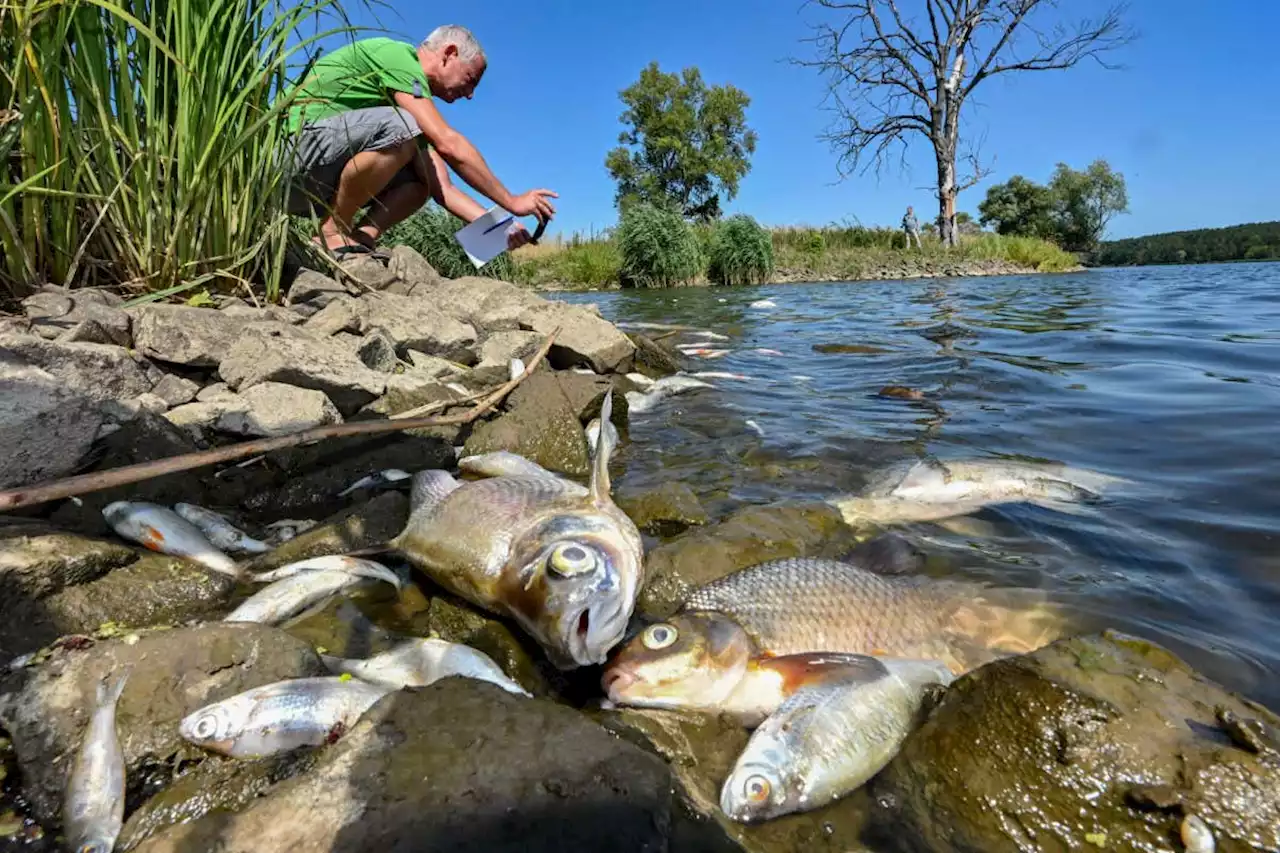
(369, 137)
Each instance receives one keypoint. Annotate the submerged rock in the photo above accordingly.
(666, 510)
(174, 672)
(458, 766)
(651, 358)
(1101, 737)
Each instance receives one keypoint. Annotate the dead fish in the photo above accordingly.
(1196, 835)
(610, 434)
(559, 559)
(93, 810)
(704, 661)
(281, 716)
(419, 662)
(292, 595)
(356, 566)
(640, 380)
(709, 335)
(865, 605)
(767, 351)
(381, 478)
(289, 528)
(755, 427)
(763, 303)
(160, 529)
(930, 489)
(720, 374)
(221, 533)
(828, 740)
(502, 463)
(667, 386)
(516, 369)
(707, 352)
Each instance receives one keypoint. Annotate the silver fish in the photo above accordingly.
(610, 435)
(281, 716)
(381, 478)
(160, 529)
(93, 811)
(667, 386)
(640, 380)
(763, 303)
(711, 336)
(516, 368)
(288, 528)
(929, 490)
(333, 563)
(419, 662)
(828, 740)
(502, 463)
(291, 596)
(220, 532)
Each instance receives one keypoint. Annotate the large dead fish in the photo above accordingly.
(419, 662)
(561, 560)
(93, 811)
(930, 489)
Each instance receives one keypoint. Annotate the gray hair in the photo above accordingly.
(468, 48)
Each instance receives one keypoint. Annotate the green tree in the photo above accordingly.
(1084, 202)
(1020, 207)
(686, 143)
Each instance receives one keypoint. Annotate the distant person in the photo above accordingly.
(370, 137)
(911, 228)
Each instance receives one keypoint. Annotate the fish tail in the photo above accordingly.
(109, 692)
(600, 486)
(1005, 621)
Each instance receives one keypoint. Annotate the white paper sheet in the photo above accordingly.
(486, 238)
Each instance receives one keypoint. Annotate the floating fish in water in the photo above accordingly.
(161, 529)
(419, 662)
(766, 351)
(516, 368)
(667, 386)
(293, 594)
(828, 740)
(800, 378)
(720, 374)
(763, 303)
(640, 380)
(706, 352)
(281, 716)
(755, 427)
(865, 605)
(709, 335)
(561, 560)
(221, 533)
(355, 566)
(704, 661)
(929, 490)
(610, 435)
(93, 810)
(381, 478)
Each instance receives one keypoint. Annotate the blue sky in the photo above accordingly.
(1188, 121)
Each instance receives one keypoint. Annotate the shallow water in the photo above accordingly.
(1165, 376)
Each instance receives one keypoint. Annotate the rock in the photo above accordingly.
(461, 766)
(46, 428)
(55, 311)
(413, 325)
(584, 339)
(378, 351)
(213, 393)
(337, 316)
(98, 371)
(433, 366)
(500, 347)
(271, 408)
(585, 394)
(182, 334)
(372, 523)
(265, 314)
(124, 411)
(15, 326)
(306, 363)
(652, 359)
(411, 268)
(311, 291)
(541, 425)
(749, 536)
(174, 672)
(368, 271)
(175, 390)
(486, 303)
(412, 391)
(37, 561)
(664, 511)
(101, 325)
(1054, 746)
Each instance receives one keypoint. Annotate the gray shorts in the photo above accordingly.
(326, 145)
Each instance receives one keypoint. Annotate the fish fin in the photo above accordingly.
(887, 554)
(600, 486)
(927, 473)
(109, 693)
(430, 487)
(812, 669)
(333, 663)
(371, 551)
(502, 463)
(1062, 505)
(969, 526)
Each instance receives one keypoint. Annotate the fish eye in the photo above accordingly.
(570, 559)
(756, 789)
(206, 727)
(659, 636)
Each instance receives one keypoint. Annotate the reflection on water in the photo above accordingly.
(1164, 376)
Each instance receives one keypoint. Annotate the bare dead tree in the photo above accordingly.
(892, 74)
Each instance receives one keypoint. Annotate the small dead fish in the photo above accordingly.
(220, 532)
(502, 463)
(800, 378)
(709, 335)
(292, 595)
(160, 529)
(706, 352)
(766, 351)
(828, 740)
(667, 386)
(281, 716)
(381, 478)
(516, 368)
(720, 374)
(355, 566)
(610, 435)
(289, 528)
(763, 303)
(1196, 835)
(419, 662)
(640, 380)
(755, 427)
(93, 810)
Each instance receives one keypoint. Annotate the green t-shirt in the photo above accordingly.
(365, 73)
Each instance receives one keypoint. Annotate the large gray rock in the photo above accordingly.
(305, 362)
(585, 338)
(411, 268)
(196, 419)
(182, 334)
(460, 766)
(174, 672)
(102, 324)
(338, 316)
(272, 408)
(435, 367)
(368, 271)
(38, 561)
(412, 325)
(500, 347)
(175, 390)
(311, 291)
(377, 351)
(98, 371)
(264, 314)
(55, 311)
(541, 425)
(486, 303)
(46, 428)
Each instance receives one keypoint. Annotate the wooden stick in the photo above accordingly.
(99, 480)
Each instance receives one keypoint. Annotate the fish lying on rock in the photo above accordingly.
(297, 589)
(930, 489)
(281, 716)
(160, 529)
(828, 740)
(355, 566)
(559, 559)
(419, 662)
(667, 386)
(703, 661)
(93, 811)
(219, 531)
(379, 479)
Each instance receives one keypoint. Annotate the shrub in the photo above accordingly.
(430, 232)
(741, 252)
(596, 263)
(657, 247)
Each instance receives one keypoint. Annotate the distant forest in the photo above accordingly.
(1256, 241)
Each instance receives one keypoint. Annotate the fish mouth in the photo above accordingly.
(595, 630)
(615, 682)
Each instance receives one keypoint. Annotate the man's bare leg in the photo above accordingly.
(395, 205)
(361, 179)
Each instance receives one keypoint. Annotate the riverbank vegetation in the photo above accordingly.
(1072, 210)
(1255, 241)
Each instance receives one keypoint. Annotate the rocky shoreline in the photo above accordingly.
(1096, 742)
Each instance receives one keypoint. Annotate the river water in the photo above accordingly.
(1165, 376)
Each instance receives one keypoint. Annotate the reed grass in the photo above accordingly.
(657, 248)
(740, 252)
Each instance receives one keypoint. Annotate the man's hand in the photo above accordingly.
(534, 203)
